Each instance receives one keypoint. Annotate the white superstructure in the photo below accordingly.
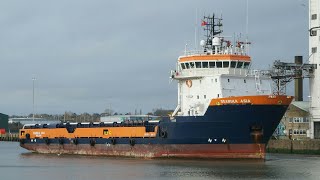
(314, 48)
(219, 70)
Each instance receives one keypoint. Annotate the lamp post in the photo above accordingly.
(33, 79)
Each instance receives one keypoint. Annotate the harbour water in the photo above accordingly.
(17, 163)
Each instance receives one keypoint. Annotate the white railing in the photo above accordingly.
(196, 73)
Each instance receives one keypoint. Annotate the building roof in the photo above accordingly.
(304, 105)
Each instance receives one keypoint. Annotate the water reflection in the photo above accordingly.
(17, 163)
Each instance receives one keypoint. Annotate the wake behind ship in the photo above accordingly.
(224, 110)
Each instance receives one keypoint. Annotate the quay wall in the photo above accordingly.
(311, 146)
(9, 137)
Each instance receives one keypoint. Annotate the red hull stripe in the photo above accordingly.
(256, 151)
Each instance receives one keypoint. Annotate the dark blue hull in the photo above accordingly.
(239, 131)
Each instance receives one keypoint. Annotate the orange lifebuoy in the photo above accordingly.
(189, 83)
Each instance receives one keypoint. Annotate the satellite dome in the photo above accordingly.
(202, 43)
(216, 41)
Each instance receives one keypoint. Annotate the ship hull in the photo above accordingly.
(238, 151)
(224, 131)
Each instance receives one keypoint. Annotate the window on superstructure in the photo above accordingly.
(313, 16)
(233, 64)
(212, 64)
(240, 64)
(226, 64)
(198, 97)
(216, 80)
(219, 64)
(246, 65)
(244, 81)
(204, 64)
(191, 64)
(313, 33)
(218, 95)
(314, 50)
(198, 64)
(187, 66)
(204, 96)
(183, 66)
(228, 80)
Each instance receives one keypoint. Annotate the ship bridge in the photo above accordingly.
(220, 69)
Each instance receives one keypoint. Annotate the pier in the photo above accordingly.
(14, 137)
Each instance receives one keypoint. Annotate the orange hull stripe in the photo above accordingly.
(253, 100)
(89, 132)
(215, 57)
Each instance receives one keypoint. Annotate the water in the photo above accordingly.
(17, 163)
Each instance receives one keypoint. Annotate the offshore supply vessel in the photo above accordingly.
(224, 110)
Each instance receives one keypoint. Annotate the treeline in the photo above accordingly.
(94, 117)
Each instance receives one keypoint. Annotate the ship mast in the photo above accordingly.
(212, 27)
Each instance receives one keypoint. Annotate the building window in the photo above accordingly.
(314, 50)
(313, 16)
(290, 120)
(299, 132)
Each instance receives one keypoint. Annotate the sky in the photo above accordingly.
(87, 56)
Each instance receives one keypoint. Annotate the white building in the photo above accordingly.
(314, 48)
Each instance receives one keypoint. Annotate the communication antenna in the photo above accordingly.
(247, 27)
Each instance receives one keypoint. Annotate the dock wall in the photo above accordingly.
(294, 146)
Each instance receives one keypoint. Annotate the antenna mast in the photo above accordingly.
(212, 27)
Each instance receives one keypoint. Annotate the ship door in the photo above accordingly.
(256, 133)
(317, 130)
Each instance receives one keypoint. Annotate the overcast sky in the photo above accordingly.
(89, 55)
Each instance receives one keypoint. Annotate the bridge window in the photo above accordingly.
(187, 66)
(233, 64)
(205, 64)
(183, 66)
(198, 64)
(191, 64)
(219, 64)
(246, 65)
(212, 64)
(226, 64)
(240, 64)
